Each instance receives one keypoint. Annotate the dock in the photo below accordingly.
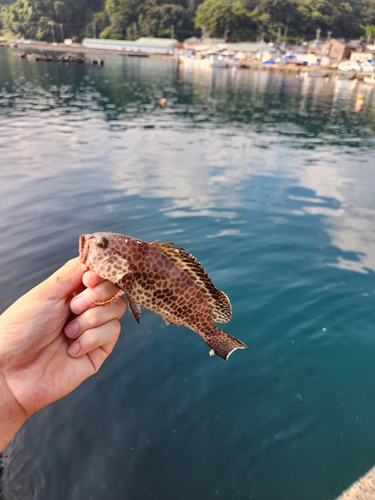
(58, 52)
(363, 489)
(66, 58)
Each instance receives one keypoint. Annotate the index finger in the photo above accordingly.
(90, 279)
(61, 283)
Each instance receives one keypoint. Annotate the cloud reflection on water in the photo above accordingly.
(350, 226)
(202, 155)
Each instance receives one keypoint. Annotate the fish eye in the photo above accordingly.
(101, 244)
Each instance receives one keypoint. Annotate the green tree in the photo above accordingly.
(223, 17)
(239, 19)
(369, 32)
(158, 20)
(33, 18)
(22, 20)
(122, 14)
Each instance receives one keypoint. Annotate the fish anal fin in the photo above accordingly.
(134, 308)
(168, 321)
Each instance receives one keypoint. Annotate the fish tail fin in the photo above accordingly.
(221, 343)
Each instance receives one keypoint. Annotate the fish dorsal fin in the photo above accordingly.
(221, 307)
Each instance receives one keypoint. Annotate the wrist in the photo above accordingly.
(12, 415)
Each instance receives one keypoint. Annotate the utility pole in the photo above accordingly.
(172, 31)
(329, 33)
(285, 35)
(62, 32)
(94, 29)
(318, 31)
(135, 30)
(53, 32)
(278, 36)
(203, 28)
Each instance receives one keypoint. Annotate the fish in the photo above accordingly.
(165, 279)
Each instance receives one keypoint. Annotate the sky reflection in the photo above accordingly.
(301, 131)
(268, 179)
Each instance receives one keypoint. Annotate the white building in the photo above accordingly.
(142, 45)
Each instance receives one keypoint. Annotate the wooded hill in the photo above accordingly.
(236, 20)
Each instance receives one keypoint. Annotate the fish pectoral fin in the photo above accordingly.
(125, 281)
(109, 301)
(134, 308)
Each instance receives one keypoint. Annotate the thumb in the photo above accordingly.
(63, 282)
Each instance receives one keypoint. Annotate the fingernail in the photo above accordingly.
(72, 329)
(74, 349)
(79, 304)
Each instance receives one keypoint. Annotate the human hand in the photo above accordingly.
(42, 357)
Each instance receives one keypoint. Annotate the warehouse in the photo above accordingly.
(142, 45)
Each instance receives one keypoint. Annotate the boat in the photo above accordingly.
(230, 58)
(343, 76)
(318, 74)
(233, 63)
(369, 79)
(211, 60)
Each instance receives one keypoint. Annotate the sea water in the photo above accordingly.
(269, 181)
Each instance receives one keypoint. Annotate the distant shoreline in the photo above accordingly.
(252, 65)
(80, 48)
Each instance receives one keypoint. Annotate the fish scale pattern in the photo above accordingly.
(164, 279)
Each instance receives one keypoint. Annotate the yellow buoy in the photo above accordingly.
(359, 103)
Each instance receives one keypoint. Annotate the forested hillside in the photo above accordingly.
(234, 19)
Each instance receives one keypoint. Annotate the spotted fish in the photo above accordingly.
(164, 279)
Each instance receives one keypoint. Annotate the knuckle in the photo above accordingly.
(120, 307)
(103, 290)
(93, 316)
(114, 328)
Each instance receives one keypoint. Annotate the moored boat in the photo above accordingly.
(211, 60)
(369, 79)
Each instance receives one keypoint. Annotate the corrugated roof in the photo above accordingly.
(160, 42)
(144, 41)
(246, 46)
(109, 42)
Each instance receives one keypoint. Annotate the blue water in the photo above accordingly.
(269, 181)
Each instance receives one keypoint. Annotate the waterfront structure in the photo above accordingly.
(252, 50)
(143, 45)
(211, 60)
(367, 56)
(338, 49)
(242, 50)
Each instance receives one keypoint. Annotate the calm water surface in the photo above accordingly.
(269, 181)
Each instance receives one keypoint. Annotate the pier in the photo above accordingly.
(66, 58)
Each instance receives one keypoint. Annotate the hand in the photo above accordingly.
(42, 357)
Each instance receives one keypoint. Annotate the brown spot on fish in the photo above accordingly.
(164, 279)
